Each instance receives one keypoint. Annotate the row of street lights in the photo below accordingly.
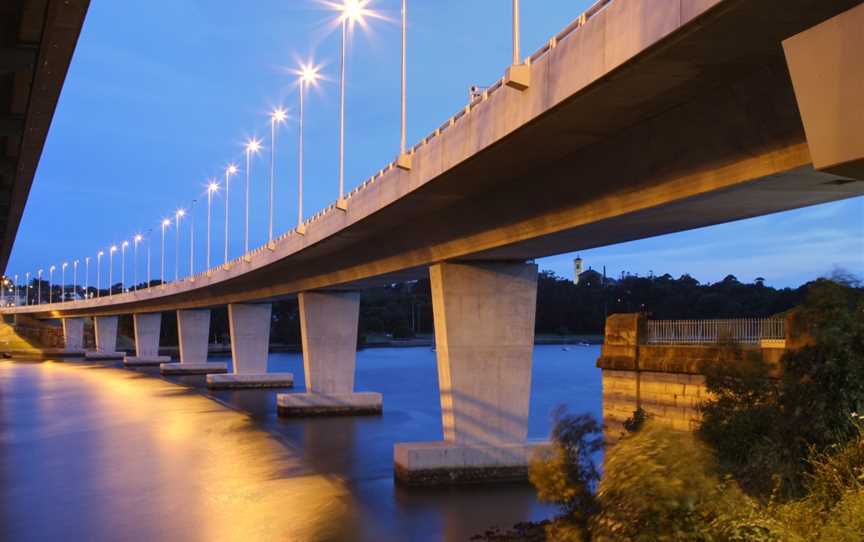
(351, 13)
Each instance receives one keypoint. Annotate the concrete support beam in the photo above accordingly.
(328, 323)
(73, 334)
(147, 331)
(250, 347)
(484, 335)
(828, 77)
(193, 333)
(106, 339)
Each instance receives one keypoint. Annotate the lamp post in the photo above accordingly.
(277, 117)
(137, 239)
(75, 278)
(86, 276)
(165, 224)
(211, 189)
(39, 291)
(123, 246)
(149, 243)
(17, 290)
(177, 217)
(26, 288)
(352, 12)
(111, 252)
(308, 76)
(99, 273)
(50, 287)
(63, 281)
(192, 239)
(230, 171)
(516, 54)
(404, 161)
(252, 146)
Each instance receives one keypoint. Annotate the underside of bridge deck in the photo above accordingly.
(699, 125)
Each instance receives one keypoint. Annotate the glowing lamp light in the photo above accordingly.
(253, 145)
(354, 10)
(166, 222)
(113, 248)
(139, 237)
(308, 74)
(231, 169)
(125, 244)
(181, 212)
(213, 187)
(279, 114)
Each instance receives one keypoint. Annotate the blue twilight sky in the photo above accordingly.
(161, 95)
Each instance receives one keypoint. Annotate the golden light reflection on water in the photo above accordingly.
(176, 465)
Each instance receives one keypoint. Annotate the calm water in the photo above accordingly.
(333, 474)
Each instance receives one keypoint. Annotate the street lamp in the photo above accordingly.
(149, 243)
(63, 281)
(404, 160)
(26, 288)
(353, 12)
(177, 217)
(192, 239)
(111, 252)
(39, 291)
(50, 287)
(308, 76)
(165, 224)
(212, 188)
(99, 272)
(86, 276)
(252, 146)
(135, 240)
(277, 117)
(74, 278)
(230, 171)
(123, 246)
(518, 74)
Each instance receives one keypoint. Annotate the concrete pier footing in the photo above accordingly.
(249, 325)
(193, 332)
(105, 328)
(321, 404)
(443, 463)
(484, 332)
(328, 324)
(192, 368)
(145, 361)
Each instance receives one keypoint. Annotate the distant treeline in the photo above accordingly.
(405, 310)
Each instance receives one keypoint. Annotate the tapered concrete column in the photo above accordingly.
(250, 347)
(484, 336)
(193, 334)
(73, 334)
(147, 330)
(328, 324)
(105, 328)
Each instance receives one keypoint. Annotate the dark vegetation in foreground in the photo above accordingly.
(402, 311)
(774, 459)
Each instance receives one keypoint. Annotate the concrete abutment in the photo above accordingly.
(105, 329)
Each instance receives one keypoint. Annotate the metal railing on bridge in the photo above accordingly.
(744, 331)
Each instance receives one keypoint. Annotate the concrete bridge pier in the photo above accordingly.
(106, 339)
(147, 331)
(484, 334)
(249, 325)
(73, 334)
(328, 323)
(193, 334)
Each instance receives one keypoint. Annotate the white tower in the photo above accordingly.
(577, 264)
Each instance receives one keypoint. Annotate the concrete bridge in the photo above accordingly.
(640, 118)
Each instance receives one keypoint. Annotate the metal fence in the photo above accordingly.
(744, 330)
